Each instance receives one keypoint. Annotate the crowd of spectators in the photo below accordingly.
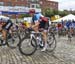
(65, 25)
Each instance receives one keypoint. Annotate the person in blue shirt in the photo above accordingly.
(39, 22)
(68, 24)
(73, 23)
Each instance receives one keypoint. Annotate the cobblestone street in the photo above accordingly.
(64, 54)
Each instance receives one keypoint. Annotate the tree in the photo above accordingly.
(25, 15)
(49, 12)
(63, 13)
(55, 12)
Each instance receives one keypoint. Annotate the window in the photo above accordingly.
(27, 5)
(1, 3)
(22, 5)
(9, 3)
(41, 2)
(16, 5)
(34, 0)
(9, 0)
(16, 0)
(33, 6)
(51, 4)
(54, 4)
(22, 0)
(37, 6)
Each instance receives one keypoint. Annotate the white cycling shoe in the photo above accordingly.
(44, 48)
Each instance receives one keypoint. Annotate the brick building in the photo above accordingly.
(48, 4)
(13, 2)
(31, 3)
(43, 4)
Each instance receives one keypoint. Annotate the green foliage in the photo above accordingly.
(50, 12)
(25, 15)
(55, 12)
(73, 12)
(63, 13)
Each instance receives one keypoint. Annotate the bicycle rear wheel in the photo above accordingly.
(51, 42)
(26, 48)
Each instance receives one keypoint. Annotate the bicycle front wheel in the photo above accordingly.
(26, 48)
(14, 40)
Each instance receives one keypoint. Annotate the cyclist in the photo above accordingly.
(7, 23)
(26, 24)
(39, 22)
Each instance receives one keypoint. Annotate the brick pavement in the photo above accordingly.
(64, 54)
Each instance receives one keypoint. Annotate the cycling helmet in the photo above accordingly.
(32, 11)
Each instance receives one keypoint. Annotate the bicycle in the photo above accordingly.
(35, 40)
(12, 41)
(25, 45)
(51, 41)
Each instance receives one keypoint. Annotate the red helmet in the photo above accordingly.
(31, 11)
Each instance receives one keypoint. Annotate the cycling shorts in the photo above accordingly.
(43, 25)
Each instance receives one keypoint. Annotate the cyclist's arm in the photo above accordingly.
(36, 24)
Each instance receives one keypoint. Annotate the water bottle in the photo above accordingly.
(38, 41)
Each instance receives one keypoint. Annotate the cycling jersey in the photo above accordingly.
(37, 18)
(7, 25)
(26, 24)
(68, 24)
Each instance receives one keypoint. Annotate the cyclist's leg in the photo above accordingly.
(44, 33)
(4, 34)
(5, 29)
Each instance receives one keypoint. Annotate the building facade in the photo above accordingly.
(31, 3)
(43, 4)
(48, 4)
(13, 2)
(38, 4)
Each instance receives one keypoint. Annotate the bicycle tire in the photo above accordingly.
(25, 52)
(22, 34)
(13, 43)
(53, 43)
